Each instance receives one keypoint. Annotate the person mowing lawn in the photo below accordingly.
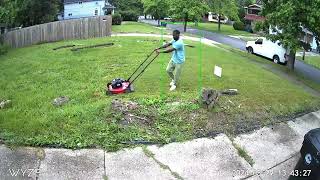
(177, 60)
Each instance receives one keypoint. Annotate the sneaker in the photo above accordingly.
(172, 83)
(173, 87)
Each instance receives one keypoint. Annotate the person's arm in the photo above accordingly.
(164, 46)
(168, 50)
(176, 46)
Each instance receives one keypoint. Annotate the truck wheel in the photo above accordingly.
(250, 50)
(276, 59)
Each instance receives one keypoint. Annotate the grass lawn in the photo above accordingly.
(270, 63)
(313, 60)
(225, 29)
(33, 76)
(136, 27)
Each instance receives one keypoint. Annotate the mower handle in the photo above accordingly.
(144, 68)
(141, 64)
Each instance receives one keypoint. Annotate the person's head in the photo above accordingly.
(176, 35)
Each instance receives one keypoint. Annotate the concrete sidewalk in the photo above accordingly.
(274, 151)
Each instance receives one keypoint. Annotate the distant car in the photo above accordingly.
(168, 18)
(214, 17)
(268, 49)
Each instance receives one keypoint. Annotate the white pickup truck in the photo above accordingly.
(268, 49)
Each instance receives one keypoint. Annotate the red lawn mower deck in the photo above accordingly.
(121, 86)
(125, 88)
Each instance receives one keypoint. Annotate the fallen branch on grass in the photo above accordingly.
(62, 47)
(93, 46)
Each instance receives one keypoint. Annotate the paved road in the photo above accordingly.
(306, 70)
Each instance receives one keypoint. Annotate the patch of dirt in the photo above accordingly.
(243, 126)
(133, 119)
(122, 106)
(128, 109)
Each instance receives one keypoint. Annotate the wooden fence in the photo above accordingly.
(60, 30)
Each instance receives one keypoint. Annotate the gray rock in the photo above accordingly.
(5, 104)
(60, 100)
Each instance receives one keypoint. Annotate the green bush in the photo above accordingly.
(258, 26)
(116, 19)
(129, 15)
(239, 26)
(3, 49)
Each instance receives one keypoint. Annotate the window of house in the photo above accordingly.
(80, 2)
(96, 12)
(70, 14)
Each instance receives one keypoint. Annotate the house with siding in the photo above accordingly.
(85, 8)
(308, 37)
(253, 14)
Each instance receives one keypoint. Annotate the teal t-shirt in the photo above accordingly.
(178, 56)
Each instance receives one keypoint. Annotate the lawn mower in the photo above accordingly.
(121, 86)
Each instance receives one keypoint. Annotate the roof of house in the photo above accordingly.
(77, 1)
(255, 6)
(253, 17)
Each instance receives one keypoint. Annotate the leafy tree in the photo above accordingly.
(33, 12)
(128, 5)
(289, 18)
(190, 10)
(29, 12)
(156, 8)
(224, 8)
(8, 12)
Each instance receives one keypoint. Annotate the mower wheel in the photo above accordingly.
(130, 89)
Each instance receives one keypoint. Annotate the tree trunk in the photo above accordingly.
(219, 22)
(145, 16)
(185, 23)
(158, 22)
(291, 60)
(304, 54)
